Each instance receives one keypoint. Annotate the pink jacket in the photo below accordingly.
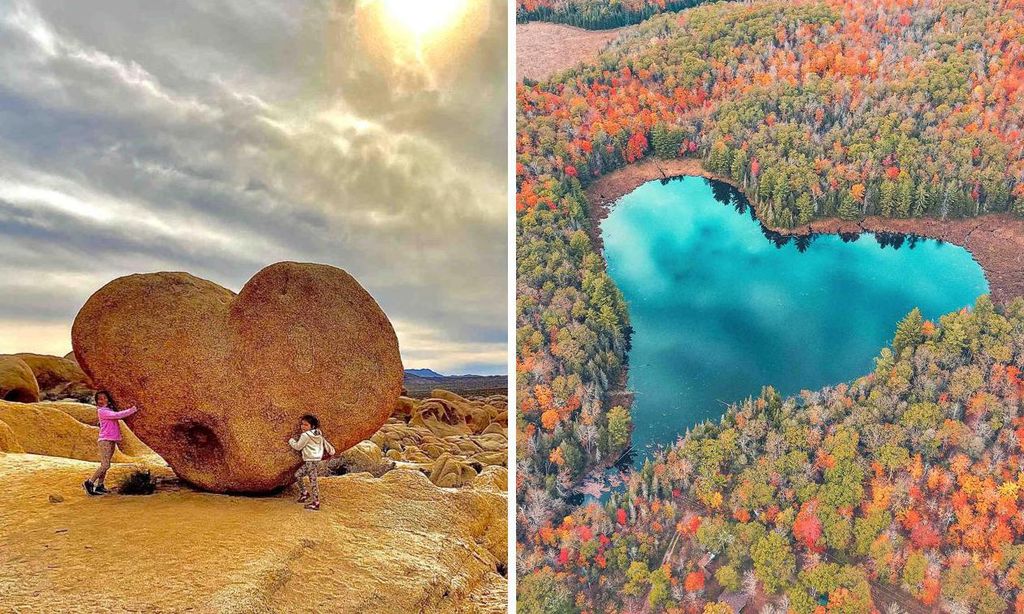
(110, 426)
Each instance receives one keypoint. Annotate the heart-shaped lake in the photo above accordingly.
(719, 309)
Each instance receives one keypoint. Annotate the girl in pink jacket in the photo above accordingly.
(110, 434)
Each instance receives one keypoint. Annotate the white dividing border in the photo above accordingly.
(513, 406)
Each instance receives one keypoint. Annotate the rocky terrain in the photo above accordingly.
(32, 377)
(388, 537)
(449, 438)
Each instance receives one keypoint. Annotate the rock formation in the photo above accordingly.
(222, 379)
(17, 383)
(58, 378)
(364, 457)
(449, 438)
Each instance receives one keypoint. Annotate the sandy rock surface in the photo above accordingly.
(17, 382)
(9, 439)
(222, 379)
(391, 544)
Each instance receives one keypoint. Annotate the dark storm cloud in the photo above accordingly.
(183, 136)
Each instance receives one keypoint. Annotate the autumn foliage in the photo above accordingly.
(906, 480)
(917, 496)
(815, 109)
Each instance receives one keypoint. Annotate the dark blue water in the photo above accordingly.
(719, 309)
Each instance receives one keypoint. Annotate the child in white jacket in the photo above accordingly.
(313, 445)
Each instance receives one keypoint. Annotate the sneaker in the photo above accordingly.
(101, 490)
(315, 506)
(89, 488)
(303, 498)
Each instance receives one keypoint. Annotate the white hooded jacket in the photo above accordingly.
(312, 444)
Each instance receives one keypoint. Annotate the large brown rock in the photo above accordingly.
(17, 383)
(221, 379)
(58, 377)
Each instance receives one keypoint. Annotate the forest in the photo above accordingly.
(835, 109)
(818, 109)
(909, 480)
(596, 14)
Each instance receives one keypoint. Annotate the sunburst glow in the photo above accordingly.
(421, 35)
(422, 19)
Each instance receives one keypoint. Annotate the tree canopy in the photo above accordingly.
(907, 478)
(596, 14)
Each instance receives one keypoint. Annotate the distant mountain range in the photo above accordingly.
(419, 382)
(423, 373)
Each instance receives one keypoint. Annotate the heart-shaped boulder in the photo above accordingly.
(221, 379)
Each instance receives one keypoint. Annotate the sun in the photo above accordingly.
(422, 19)
(424, 36)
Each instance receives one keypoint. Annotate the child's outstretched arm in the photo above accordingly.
(301, 443)
(109, 414)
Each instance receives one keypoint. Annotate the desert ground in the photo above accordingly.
(387, 538)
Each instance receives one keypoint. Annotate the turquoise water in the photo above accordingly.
(719, 309)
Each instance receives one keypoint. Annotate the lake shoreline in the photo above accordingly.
(994, 240)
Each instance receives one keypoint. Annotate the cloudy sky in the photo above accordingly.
(219, 137)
